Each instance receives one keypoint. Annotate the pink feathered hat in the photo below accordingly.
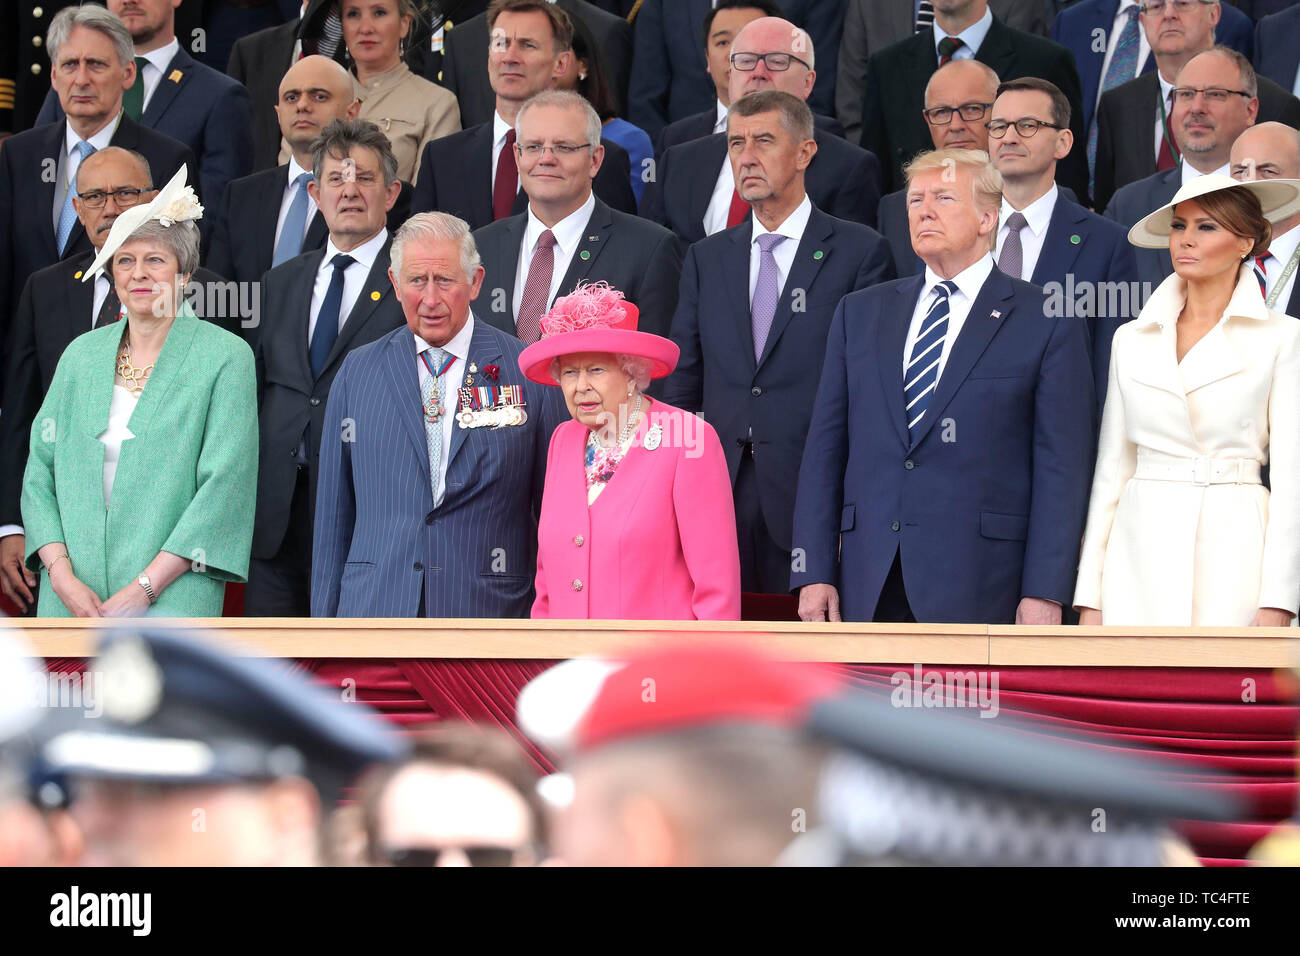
(595, 318)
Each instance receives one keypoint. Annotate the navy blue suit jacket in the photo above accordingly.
(1277, 47)
(771, 398)
(1075, 26)
(987, 502)
(208, 112)
(1130, 203)
(842, 180)
(380, 544)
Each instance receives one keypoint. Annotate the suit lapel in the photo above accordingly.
(997, 51)
(169, 86)
(301, 325)
(700, 187)
(595, 237)
(813, 252)
(172, 363)
(1293, 307)
(1211, 359)
(735, 268)
(317, 232)
(1060, 249)
(404, 382)
(891, 337)
(987, 313)
(48, 190)
(510, 240)
(479, 156)
(268, 212)
(377, 288)
(483, 352)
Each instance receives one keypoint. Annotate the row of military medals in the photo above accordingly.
(480, 407)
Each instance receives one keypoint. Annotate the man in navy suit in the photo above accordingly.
(1277, 52)
(949, 459)
(418, 515)
(1083, 261)
(175, 94)
(694, 193)
(90, 51)
(1272, 151)
(751, 323)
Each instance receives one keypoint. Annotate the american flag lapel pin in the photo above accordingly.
(996, 314)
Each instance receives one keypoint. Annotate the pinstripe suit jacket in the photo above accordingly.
(380, 544)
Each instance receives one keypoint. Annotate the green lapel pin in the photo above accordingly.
(584, 255)
(1075, 239)
(818, 254)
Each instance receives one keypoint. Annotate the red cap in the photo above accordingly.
(665, 689)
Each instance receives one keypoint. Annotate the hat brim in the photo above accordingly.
(1279, 198)
(132, 219)
(535, 361)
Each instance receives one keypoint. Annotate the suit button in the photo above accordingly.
(428, 519)
(756, 391)
(417, 566)
(578, 540)
(577, 585)
(315, 402)
(37, 12)
(36, 69)
(909, 464)
(36, 41)
(895, 526)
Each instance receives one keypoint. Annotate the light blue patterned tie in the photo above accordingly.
(433, 429)
(1121, 69)
(295, 223)
(766, 292)
(68, 215)
(922, 372)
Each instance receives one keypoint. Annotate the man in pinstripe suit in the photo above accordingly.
(433, 452)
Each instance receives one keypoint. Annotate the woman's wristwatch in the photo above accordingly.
(143, 581)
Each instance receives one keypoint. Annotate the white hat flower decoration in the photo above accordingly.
(174, 203)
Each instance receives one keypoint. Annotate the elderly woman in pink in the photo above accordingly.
(637, 518)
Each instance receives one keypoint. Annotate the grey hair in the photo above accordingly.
(1249, 78)
(182, 238)
(564, 99)
(340, 137)
(436, 227)
(635, 367)
(986, 72)
(796, 117)
(92, 17)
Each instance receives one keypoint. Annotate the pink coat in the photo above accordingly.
(660, 541)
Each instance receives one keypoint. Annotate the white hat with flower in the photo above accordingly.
(174, 203)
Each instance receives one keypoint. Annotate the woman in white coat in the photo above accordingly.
(1204, 390)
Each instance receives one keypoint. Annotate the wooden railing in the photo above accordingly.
(967, 644)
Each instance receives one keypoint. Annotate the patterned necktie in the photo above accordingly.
(1012, 260)
(506, 185)
(922, 372)
(1261, 274)
(68, 215)
(924, 15)
(430, 396)
(537, 290)
(133, 98)
(1167, 158)
(327, 322)
(111, 309)
(766, 291)
(1121, 69)
(295, 223)
(947, 47)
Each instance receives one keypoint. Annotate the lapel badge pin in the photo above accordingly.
(818, 254)
(585, 254)
(78, 275)
(175, 76)
(469, 379)
(593, 238)
(375, 296)
(653, 436)
(996, 314)
(1075, 239)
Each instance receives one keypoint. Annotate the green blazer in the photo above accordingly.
(185, 483)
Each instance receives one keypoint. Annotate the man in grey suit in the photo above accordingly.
(434, 452)
(871, 25)
(567, 235)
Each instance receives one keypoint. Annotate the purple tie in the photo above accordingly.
(1012, 260)
(766, 291)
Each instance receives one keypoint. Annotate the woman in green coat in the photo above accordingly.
(139, 490)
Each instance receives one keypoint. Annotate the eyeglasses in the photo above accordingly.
(776, 62)
(1026, 127)
(426, 857)
(942, 115)
(1153, 8)
(125, 196)
(1186, 94)
(537, 150)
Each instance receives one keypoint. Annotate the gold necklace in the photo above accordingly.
(135, 378)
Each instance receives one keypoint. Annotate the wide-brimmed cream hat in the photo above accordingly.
(1279, 198)
(175, 202)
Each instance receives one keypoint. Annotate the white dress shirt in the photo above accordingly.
(715, 214)
(152, 73)
(354, 277)
(70, 161)
(286, 200)
(1144, 48)
(1038, 214)
(121, 408)
(568, 233)
(720, 122)
(1280, 250)
(969, 282)
(793, 227)
(499, 129)
(1190, 172)
(1160, 126)
(451, 379)
(971, 37)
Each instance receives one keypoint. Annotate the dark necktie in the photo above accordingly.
(924, 15)
(133, 98)
(1261, 273)
(947, 47)
(1167, 159)
(506, 185)
(111, 309)
(1012, 260)
(537, 289)
(922, 372)
(327, 322)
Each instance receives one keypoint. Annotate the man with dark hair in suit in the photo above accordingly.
(948, 463)
(175, 94)
(893, 121)
(1277, 54)
(756, 303)
(315, 309)
(473, 174)
(90, 51)
(695, 194)
(54, 309)
(1133, 138)
(567, 235)
(1043, 237)
(1272, 151)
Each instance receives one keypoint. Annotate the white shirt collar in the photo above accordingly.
(295, 170)
(160, 57)
(459, 344)
(1037, 214)
(1281, 247)
(1165, 87)
(793, 225)
(364, 254)
(1190, 172)
(720, 121)
(969, 281)
(568, 231)
(100, 140)
(972, 36)
(499, 129)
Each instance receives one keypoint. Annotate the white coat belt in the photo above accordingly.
(1201, 470)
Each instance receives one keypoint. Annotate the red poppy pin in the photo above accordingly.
(493, 372)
